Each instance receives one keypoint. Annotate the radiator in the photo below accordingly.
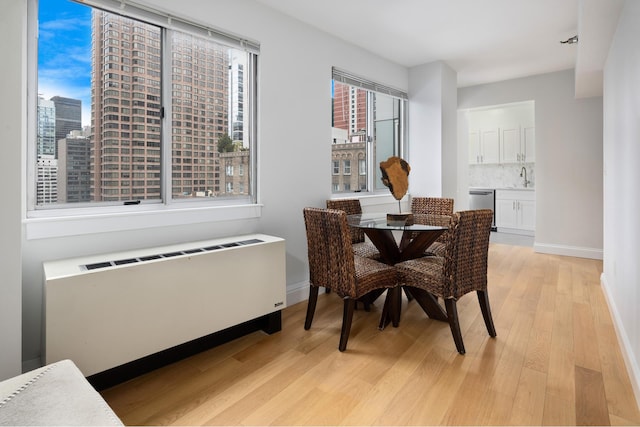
(106, 310)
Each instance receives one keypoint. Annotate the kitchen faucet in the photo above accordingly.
(524, 171)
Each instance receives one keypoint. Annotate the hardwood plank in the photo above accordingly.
(591, 403)
(559, 411)
(528, 405)
(585, 339)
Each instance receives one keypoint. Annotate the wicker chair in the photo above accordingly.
(333, 265)
(360, 246)
(433, 211)
(432, 205)
(463, 269)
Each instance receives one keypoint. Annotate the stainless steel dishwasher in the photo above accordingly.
(483, 198)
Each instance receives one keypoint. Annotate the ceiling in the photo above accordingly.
(482, 40)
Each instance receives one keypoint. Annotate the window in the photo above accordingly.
(347, 167)
(78, 101)
(368, 123)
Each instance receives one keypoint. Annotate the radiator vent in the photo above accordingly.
(125, 309)
(107, 264)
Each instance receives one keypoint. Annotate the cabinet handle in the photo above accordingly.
(519, 157)
(514, 205)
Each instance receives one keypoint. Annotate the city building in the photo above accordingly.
(46, 163)
(47, 179)
(126, 111)
(236, 99)
(348, 149)
(68, 116)
(46, 144)
(74, 167)
(349, 108)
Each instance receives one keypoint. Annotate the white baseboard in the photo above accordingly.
(297, 292)
(625, 347)
(516, 231)
(574, 251)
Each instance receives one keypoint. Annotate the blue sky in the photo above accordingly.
(64, 52)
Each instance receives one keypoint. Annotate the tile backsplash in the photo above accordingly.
(501, 175)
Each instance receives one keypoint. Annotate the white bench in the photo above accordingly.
(56, 394)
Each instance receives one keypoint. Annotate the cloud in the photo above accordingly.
(65, 24)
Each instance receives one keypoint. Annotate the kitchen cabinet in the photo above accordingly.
(516, 211)
(484, 146)
(517, 144)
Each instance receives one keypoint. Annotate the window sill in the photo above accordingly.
(139, 217)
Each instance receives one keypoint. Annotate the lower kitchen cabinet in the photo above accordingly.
(516, 211)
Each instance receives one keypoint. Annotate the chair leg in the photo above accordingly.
(452, 317)
(483, 299)
(311, 306)
(347, 317)
(407, 292)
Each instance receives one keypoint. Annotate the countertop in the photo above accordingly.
(504, 188)
(516, 188)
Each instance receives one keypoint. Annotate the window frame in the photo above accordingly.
(372, 88)
(346, 167)
(41, 220)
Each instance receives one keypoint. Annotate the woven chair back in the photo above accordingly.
(330, 252)
(467, 252)
(432, 205)
(351, 207)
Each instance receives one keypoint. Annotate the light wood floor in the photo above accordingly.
(555, 361)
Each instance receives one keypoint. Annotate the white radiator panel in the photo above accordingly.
(105, 317)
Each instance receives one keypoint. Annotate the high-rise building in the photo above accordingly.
(73, 167)
(348, 149)
(46, 163)
(349, 108)
(46, 179)
(68, 116)
(126, 111)
(46, 138)
(236, 107)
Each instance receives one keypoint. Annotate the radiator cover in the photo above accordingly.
(106, 310)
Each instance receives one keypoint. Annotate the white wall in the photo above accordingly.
(11, 135)
(621, 275)
(568, 158)
(294, 149)
(432, 130)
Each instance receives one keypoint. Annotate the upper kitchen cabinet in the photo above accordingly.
(502, 134)
(484, 146)
(517, 144)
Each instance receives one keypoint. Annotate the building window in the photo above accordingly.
(76, 132)
(347, 167)
(336, 167)
(368, 123)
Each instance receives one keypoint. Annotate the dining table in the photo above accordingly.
(415, 236)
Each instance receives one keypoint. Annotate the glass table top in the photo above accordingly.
(379, 221)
